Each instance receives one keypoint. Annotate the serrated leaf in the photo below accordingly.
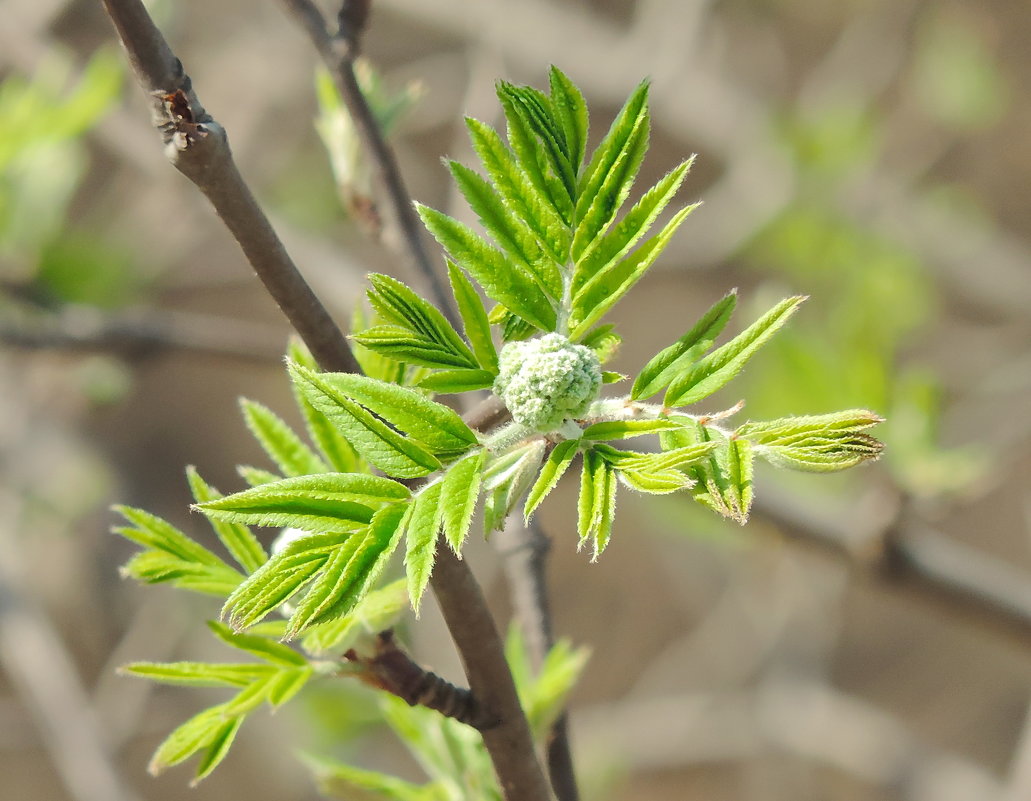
(571, 112)
(667, 363)
(255, 476)
(198, 674)
(155, 567)
(525, 139)
(788, 430)
(378, 610)
(422, 528)
(474, 318)
(719, 367)
(379, 444)
(323, 502)
(402, 345)
(558, 462)
(198, 732)
(740, 460)
(153, 532)
(249, 698)
(275, 653)
(594, 219)
(655, 482)
(625, 429)
(617, 146)
(519, 191)
(216, 749)
(434, 425)
(287, 684)
(460, 490)
(501, 278)
(721, 476)
(336, 450)
(506, 479)
(237, 539)
(609, 248)
(280, 577)
(508, 230)
(397, 303)
(608, 285)
(587, 514)
(455, 381)
(284, 447)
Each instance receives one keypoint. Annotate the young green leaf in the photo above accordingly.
(207, 728)
(434, 425)
(617, 242)
(455, 381)
(655, 482)
(284, 447)
(558, 462)
(621, 145)
(667, 363)
(216, 749)
(275, 653)
(571, 112)
(422, 529)
(338, 780)
(281, 576)
(534, 138)
(403, 345)
(509, 231)
(378, 610)
(286, 684)
(603, 340)
(501, 278)
(597, 503)
(373, 439)
(460, 490)
(153, 532)
(608, 285)
(474, 318)
(198, 674)
(506, 479)
(155, 567)
(336, 450)
(519, 190)
(323, 502)
(715, 370)
(594, 219)
(255, 476)
(625, 429)
(398, 304)
(237, 539)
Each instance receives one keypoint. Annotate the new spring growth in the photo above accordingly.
(547, 380)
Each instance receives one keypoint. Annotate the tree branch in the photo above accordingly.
(525, 550)
(198, 147)
(202, 154)
(338, 53)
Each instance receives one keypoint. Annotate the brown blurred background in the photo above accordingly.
(875, 155)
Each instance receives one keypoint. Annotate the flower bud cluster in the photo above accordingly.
(547, 380)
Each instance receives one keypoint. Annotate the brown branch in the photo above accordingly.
(338, 53)
(202, 154)
(392, 670)
(525, 550)
(198, 147)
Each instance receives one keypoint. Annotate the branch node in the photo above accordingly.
(392, 670)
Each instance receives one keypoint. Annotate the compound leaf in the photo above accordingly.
(714, 371)
(284, 447)
(460, 490)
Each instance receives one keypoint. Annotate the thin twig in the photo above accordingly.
(525, 550)
(338, 54)
(205, 159)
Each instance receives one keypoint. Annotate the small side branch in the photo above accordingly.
(338, 52)
(392, 670)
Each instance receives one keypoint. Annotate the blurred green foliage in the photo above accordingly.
(43, 162)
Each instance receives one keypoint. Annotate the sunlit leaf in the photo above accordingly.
(284, 447)
(459, 492)
(556, 465)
